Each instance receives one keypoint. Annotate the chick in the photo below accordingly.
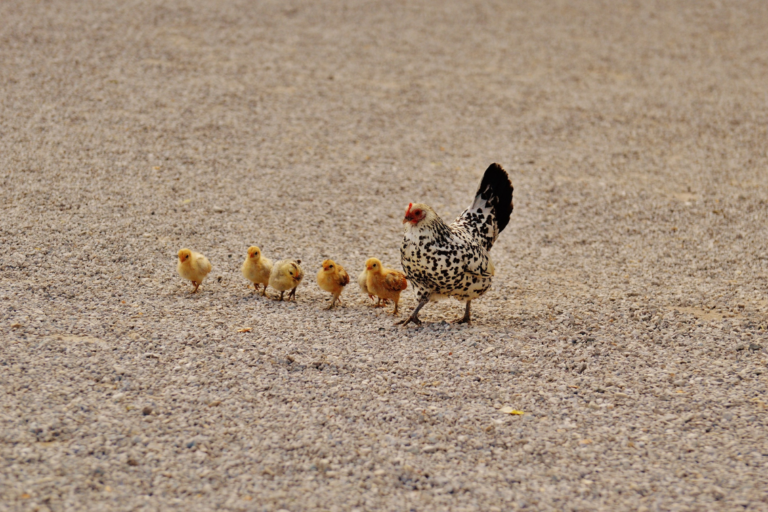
(332, 278)
(385, 283)
(362, 281)
(286, 275)
(256, 269)
(193, 266)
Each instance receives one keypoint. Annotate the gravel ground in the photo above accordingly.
(628, 316)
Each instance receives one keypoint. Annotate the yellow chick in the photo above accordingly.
(362, 281)
(193, 266)
(256, 269)
(332, 278)
(286, 275)
(385, 283)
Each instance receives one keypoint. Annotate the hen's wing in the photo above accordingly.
(469, 252)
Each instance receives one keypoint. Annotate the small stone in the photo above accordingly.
(133, 462)
(146, 411)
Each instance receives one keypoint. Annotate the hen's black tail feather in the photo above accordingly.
(496, 189)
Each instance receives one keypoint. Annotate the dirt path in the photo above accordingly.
(627, 320)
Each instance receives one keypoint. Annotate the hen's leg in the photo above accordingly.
(415, 315)
(465, 319)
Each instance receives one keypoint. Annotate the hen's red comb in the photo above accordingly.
(408, 210)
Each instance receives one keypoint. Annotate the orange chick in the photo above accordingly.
(385, 283)
(332, 278)
(193, 266)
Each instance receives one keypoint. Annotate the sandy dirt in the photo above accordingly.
(628, 315)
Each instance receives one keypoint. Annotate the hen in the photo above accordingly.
(452, 260)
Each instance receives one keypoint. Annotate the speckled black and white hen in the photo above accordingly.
(452, 260)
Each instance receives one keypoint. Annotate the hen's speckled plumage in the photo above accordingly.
(453, 260)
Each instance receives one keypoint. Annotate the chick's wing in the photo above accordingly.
(343, 277)
(395, 281)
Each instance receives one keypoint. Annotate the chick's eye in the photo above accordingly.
(330, 266)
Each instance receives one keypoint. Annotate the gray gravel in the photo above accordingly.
(627, 320)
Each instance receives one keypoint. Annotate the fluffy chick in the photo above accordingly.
(256, 269)
(332, 278)
(385, 283)
(362, 280)
(286, 275)
(193, 266)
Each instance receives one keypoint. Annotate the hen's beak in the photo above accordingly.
(407, 219)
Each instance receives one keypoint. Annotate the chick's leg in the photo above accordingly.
(292, 294)
(465, 319)
(281, 295)
(197, 285)
(264, 291)
(415, 315)
(333, 303)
